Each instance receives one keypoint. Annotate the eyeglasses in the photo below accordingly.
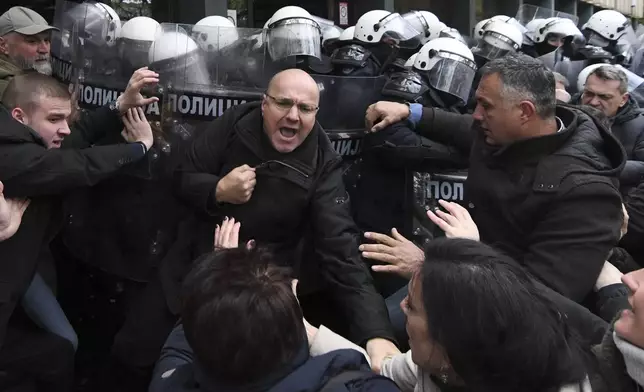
(287, 104)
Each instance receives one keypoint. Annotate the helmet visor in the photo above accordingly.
(452, 74)
(294, 37)
(399, 32)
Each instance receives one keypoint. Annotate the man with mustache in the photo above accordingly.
(24, 44)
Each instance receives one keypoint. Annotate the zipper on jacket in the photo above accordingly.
(267, 163)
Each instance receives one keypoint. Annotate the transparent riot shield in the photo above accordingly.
(424, 192)
(635, 86)
(529, 12)
(637, 66)
(343, 104)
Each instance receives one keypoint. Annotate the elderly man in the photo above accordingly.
(271, 167)
(542, 183)
(24, 44)
(606, 89)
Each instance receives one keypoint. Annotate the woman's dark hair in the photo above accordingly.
(499, 331)
(240, 316)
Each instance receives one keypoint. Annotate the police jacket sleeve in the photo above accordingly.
(569, 244)
(93, 126)
(399, 146)
(335, 237)
(199, 173)
(634, 203)
(29, 169)
(632, 173)
(446, 127)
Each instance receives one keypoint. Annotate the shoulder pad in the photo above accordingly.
(407, 85)
(351, 55)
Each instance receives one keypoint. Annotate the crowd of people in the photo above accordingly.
(253, 256)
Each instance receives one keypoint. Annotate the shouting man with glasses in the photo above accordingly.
(270, 166)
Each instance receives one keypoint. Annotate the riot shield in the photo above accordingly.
(635, 86)
(343, 104)
(528, 12)
(67, 54)
(637, 66)
(424, 191)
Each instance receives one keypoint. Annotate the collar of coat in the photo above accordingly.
(633, 358)
(583, 137)
(207, 384)
(250, 130)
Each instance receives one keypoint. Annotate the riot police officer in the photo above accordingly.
(294, 35)
(379, 35)
(441, 77)
(137, 35)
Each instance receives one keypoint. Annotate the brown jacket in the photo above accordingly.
(7, 71)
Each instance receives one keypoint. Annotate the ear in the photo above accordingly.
(4, 45)
(624, 99)
(264, 103)
(528, 110)
(19, 115)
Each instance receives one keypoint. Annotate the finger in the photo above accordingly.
(244, 168)
(148, 101)
(250, 185)
(450, 219)
(381, 238)
(1, 187)
(455, 209)
(397, 236)
(234, 234)
(376, 248)
(139, 84)
(384, 123)
(135, 115)
(250, 245)
(226, 228)
(389, 259)
(130, 116)
(217, 237)
(294, 283)
(438, 221)
(394, 269)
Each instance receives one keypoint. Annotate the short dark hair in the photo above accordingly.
(24, 91)
(240, 315)
(525, 78)
(611, 72)
(499, 331)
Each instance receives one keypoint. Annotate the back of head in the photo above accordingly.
(525, 78)
(498, 330)
(26, 90)
(241, 317)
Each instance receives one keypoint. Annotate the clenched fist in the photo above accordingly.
(237, 186)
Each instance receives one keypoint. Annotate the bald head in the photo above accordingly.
(295, 79)
(289, 108)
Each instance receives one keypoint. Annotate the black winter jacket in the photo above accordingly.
(29, 170)
(302, 193)
(628, 128)
(551, 202)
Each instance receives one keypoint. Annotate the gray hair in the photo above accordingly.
(525, 79)
(559, 78)
(610, 72)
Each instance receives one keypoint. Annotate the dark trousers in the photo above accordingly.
(32, 357)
